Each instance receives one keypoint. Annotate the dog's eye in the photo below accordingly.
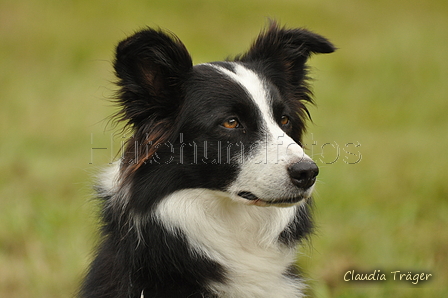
(284, 120)
(231, 123)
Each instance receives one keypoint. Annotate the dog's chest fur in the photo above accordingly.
(243, 239)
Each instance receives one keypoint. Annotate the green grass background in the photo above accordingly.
(385, 90)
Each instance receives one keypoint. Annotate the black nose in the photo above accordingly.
(303, 174)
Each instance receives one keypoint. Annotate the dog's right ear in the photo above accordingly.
(151, 66)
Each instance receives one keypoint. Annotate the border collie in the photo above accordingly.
(213, 192)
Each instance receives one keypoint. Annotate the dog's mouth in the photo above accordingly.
(278, 202)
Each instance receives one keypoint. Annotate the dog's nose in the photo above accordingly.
(303, 174)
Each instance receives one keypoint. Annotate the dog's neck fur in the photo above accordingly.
(244, 239)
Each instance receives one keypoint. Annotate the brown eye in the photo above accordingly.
(231, 123)
(284, 120)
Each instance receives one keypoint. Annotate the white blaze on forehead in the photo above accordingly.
(254, 86)
(257, 90)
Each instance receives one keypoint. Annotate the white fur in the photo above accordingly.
(109, 179)
(109, 184)
(244, 239)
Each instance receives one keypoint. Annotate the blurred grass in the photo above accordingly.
(385, 88)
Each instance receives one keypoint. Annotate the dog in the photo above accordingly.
(212, 194)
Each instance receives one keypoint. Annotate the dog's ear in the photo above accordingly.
(151, 67)
(282, 53)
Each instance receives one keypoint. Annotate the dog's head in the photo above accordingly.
(233, 126)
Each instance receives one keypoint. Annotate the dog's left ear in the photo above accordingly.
(151, 66)
(282, 53)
